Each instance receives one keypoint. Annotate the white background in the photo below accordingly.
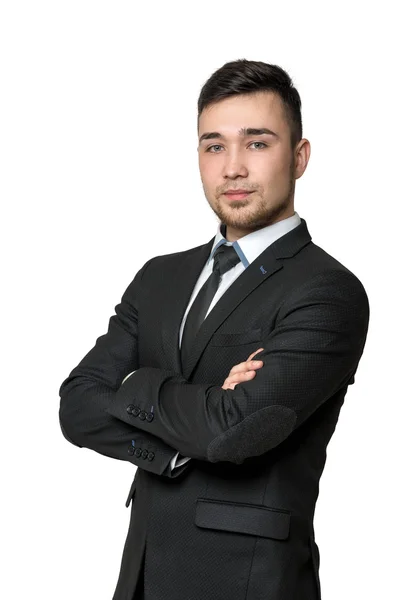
(99, 173)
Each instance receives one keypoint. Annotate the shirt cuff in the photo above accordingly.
(177, 463)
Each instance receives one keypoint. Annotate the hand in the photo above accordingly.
(244, 371)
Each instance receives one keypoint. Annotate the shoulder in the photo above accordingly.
(164, 262)
(315, 267)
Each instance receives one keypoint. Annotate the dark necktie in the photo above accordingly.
(225, 258)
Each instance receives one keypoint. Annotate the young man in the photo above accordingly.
(229, 451)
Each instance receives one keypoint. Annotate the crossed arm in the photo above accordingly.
(94, 384)
(313, 351)
(243, 371)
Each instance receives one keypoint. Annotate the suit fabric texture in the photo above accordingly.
(236, 521)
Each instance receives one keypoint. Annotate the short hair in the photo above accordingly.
(248, 77)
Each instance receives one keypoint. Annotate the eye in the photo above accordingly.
(219, 146)
(262, 143)
(213, 146)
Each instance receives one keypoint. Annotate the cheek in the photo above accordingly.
(274, 170)
(208, 172)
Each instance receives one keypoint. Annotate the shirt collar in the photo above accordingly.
(251, 245)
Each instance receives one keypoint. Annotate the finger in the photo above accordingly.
(254, 353)
(231, 384)
(246, 366)
(237, 377)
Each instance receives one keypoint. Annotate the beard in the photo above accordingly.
(252, 213)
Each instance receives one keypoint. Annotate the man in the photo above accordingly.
(228, 452)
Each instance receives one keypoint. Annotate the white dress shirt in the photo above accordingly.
(248, 248)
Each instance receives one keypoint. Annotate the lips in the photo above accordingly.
(231, 192)
(237, 194)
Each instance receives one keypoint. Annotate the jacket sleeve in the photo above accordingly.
(92, 386)
(312, 353)
(175, 460)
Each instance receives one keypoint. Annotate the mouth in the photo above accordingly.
(237, 195)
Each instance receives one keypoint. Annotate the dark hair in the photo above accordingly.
(247, 77)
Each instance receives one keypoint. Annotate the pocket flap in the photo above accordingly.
(254, 519)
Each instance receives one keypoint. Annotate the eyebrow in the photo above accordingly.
(244, 131)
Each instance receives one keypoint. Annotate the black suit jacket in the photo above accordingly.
(236, 521)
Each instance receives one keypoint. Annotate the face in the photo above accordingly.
(259, 162)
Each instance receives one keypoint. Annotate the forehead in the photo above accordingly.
(228, 115)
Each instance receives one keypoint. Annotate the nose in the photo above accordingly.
(234, 166)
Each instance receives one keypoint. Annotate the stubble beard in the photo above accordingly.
(252, 213)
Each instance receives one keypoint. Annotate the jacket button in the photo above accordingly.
(135, 411)
(138, 451)
(149, 417)
(150, 456)
(130, 408)
(131, 450)
(142, 415)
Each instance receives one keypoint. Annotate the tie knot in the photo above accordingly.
(225, 258)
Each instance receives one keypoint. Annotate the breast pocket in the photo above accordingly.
(236, 338)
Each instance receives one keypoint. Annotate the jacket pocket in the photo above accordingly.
(253, 519)
(236, 338)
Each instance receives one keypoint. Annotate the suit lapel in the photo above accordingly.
(183, 281)
(176, 298)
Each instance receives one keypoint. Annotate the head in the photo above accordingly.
(250, 138)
